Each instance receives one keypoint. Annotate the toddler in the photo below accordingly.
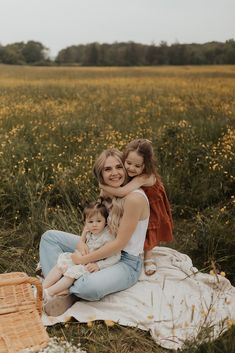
(95, 234)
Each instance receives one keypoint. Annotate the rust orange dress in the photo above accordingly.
(160, 226)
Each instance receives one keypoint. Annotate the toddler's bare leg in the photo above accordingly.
(61, 286)
(53, 276)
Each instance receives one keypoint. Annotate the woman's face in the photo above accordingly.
(113, 172)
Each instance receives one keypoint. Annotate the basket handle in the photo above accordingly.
(31, 280)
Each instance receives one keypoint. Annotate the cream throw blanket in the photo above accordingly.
(175, 304)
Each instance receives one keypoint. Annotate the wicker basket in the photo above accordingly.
(20, 322)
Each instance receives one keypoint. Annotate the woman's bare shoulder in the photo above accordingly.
(136, 205)
(135, 197)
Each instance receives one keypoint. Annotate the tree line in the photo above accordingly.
(121, 54)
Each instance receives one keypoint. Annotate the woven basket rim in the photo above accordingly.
(20, 323)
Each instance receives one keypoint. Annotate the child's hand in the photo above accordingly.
(82, 247)
(77, 258)
(146, 180)
(104, 193)
(92, 267)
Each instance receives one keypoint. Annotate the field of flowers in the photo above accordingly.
(55, 121)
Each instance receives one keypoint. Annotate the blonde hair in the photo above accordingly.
(115, 214)
(100, 161)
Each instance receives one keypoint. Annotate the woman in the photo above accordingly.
(130, 239)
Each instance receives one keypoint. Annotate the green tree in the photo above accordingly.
(11, 56)
(230, 51)
(34, 52)
(91, 56)
(67, 56)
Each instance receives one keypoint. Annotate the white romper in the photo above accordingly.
(94, 242)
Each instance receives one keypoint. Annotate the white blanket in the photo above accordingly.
(175, 304)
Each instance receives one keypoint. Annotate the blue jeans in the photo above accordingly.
(90, 286)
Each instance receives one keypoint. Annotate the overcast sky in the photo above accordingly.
(58, 24)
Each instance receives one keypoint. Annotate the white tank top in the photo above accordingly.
(135, 246)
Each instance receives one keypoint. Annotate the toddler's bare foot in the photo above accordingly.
(46, 296)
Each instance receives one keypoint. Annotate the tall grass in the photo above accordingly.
(55, 121)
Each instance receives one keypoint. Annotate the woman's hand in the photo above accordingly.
(63, 267)
(92, 267)
(77, 258)
(82, 247)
